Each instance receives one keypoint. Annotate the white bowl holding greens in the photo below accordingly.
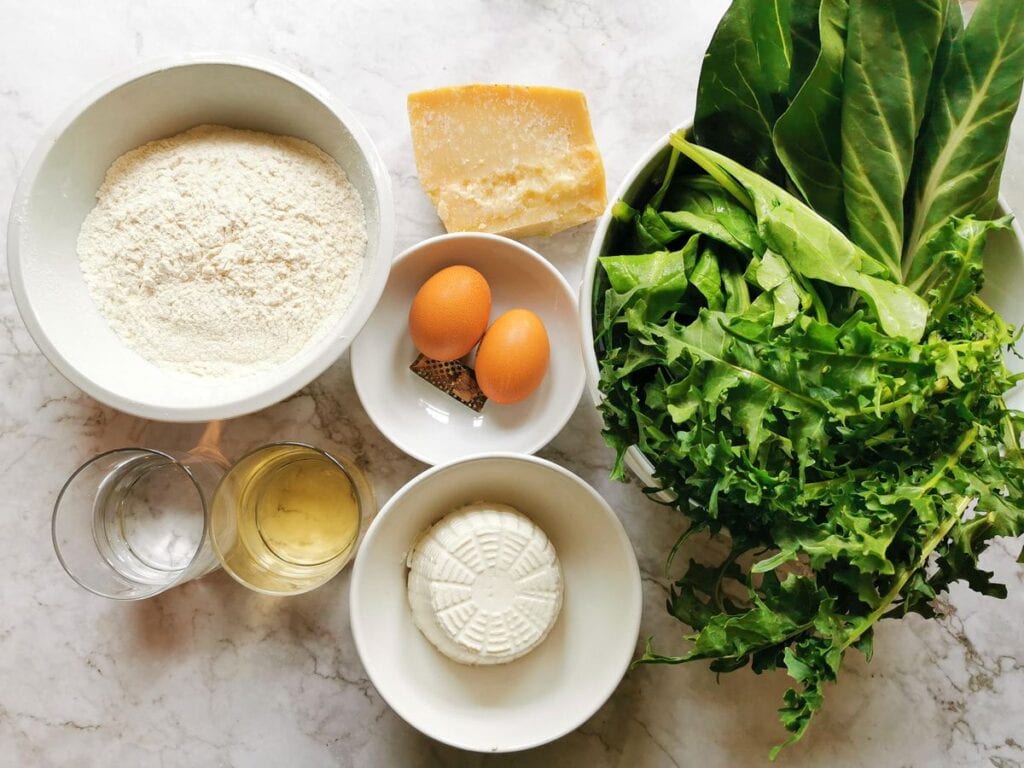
(1004, 283)
(823, 380)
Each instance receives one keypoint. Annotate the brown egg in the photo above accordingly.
(513, 357)
(450, 312)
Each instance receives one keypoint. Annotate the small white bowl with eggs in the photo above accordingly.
(560, 683)
(426, 422)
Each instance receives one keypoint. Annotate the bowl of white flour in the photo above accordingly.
(200, 239)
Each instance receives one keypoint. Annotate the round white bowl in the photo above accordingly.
(57, 190)
(557, 686)
(1004, 287)
(425, 422)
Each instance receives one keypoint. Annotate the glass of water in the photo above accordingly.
(131, 523)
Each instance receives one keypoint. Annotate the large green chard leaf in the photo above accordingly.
(813, 247)
(951, 31)
(890, 53)
(743, 82)
(808, 135)
(804, 28)
(963, 141)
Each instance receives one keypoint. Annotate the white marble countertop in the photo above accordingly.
(210, 674)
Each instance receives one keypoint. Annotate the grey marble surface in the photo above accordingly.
(210, 674)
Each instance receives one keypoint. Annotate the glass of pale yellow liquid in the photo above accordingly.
(286, 518)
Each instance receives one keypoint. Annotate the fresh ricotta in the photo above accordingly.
(485, 585)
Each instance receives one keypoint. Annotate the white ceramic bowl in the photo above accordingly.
(425, 422)
(557, 686)
(1004, 286)
(57, 190)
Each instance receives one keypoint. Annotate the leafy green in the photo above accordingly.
(891, 49)
(813, 247)
(790, 329)
(711, 210)
(658, 279)
(950, 266)
(964, 137)
(744, 81)
(808, 135)
(708, 280)
(805, 36)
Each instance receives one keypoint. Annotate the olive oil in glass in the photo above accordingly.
(286, 518)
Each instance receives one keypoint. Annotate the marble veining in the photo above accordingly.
(209, 674)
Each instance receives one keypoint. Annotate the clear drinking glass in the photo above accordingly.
(132, 522)
(286, 518)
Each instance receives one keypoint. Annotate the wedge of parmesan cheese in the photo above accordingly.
(510, 159)
(485, 585)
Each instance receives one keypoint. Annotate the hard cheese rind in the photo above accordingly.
(485, 585)
(509, 159)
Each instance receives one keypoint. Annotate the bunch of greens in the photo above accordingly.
(791, 331)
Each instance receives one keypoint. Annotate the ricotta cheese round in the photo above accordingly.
(485, 585)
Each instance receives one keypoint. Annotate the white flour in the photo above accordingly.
(219, 252)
